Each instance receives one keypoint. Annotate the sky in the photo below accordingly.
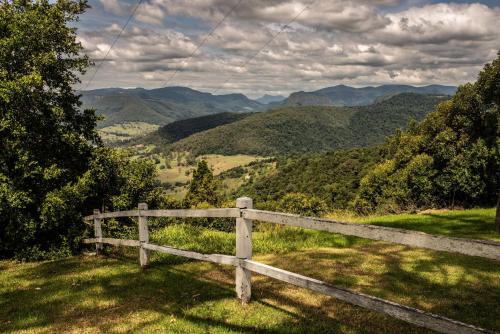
(330, 42)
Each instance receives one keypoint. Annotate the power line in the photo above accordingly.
(204, 40)
(98, 67)
(267, 43)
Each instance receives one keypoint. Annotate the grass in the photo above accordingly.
(175, 295)
(474, 223)
(181, 173)
(126, 131)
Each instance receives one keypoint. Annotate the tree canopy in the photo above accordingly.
(53, 167)
(450, 158)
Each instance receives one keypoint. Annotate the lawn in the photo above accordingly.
(112, 294)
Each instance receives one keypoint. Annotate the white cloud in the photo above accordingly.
(335, 41)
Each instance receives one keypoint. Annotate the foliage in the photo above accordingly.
(45, 139)
(178, 130)
(332, 177)
(202, 188)
(302, 205)
(310, 129)
(53, 168)
(450, 158)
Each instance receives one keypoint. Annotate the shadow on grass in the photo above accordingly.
(456, 286)
(176, 295)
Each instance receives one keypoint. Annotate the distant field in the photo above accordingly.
(174, 295)
(126, 131)
(177, 171)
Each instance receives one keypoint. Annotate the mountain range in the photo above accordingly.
(165, 105)
(267, 99)
(288, 129)
(342, 95)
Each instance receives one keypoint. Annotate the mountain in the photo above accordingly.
(178, 130)
(342, 95)
(311, 128)
(266, 99)
(163, 105)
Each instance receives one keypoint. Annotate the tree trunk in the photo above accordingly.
(497, 218)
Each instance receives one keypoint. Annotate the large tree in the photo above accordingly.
(46, 140)
(202, 188)
(450, 158)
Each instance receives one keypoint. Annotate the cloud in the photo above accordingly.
(441, 23)
(334, 41)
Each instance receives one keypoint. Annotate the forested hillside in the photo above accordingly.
(311, 129)
(178, 130)
(161, 106)
(333, 177)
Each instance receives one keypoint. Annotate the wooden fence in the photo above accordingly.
(245, 214)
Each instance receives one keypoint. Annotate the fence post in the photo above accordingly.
(243, 251)
(143, 236)
(97, 232)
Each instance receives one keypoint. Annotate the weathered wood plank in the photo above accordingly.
(194, 213)
(113, 241)
(482, 248)
(216, 258)
(243, 278)
(405, 313)
(116, 214)
(97, 232)
(143, 234)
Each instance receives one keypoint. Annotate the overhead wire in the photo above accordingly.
(117, 37)
(266, 44)
(204, 40)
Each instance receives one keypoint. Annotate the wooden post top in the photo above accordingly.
(244, 203)
(142, 206)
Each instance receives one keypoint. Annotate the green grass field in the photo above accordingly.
(181, 172)
(122, 132)
(112, 294)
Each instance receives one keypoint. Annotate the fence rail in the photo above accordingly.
(245, 214)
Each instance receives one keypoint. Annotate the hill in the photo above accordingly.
(342, 95)
(178, 130)
(333, 176)
(266, 99)
(161, 106)
(311, 128)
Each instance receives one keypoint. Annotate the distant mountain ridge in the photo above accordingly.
(311, 128)
(342, 95)
(266, 99)
(162, 105)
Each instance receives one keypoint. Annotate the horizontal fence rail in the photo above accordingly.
(179, 213)
(482, 248)
(408, 314)
(244, 265)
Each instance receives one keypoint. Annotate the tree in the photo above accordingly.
(202, 188)
(450, 158)
(302, 204)
(46, 141)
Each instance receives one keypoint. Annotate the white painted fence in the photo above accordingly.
(245, 214)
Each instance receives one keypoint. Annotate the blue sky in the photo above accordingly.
(332, 42)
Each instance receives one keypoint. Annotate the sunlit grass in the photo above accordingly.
(175, 295)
